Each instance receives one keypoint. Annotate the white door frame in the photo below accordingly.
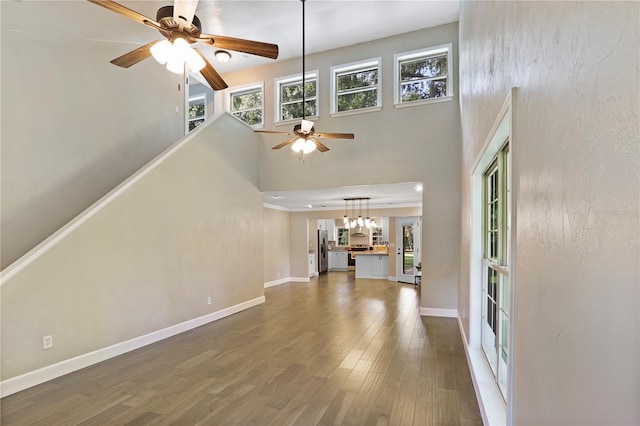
(400, 222)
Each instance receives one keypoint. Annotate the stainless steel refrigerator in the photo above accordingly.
(323, 251)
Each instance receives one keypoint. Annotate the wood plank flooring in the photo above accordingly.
(335, 351)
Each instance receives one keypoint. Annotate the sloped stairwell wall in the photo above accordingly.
(140, 264)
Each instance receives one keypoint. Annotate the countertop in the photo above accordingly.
(370, 253)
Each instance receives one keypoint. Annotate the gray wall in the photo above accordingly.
(576, 337)
(148, 259)
(73, 127)
(420, 143)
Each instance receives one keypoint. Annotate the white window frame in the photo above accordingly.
(494, 407)
(200, 96)
(354, 67)
(243, 89)
(421, 53)
(278, 82)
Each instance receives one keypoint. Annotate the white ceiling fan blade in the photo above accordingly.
(184, 10)
(306, 126)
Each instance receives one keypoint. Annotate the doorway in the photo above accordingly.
(408, 248)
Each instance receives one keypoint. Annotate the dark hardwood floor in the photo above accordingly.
(333, 351)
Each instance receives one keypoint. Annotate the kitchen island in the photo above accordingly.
(372, 264)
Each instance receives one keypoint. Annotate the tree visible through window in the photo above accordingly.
(247, 104)
(423, 78)
(356, 86)
(423, 75)
(197, 111)
(290, 97)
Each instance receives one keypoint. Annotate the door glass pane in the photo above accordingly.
(407, 249)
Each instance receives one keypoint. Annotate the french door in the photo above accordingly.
(408, 248)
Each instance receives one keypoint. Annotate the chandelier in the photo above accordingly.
(353, 206)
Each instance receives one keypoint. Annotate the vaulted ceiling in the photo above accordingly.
(329, 25)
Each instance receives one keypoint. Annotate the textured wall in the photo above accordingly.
(576, 313)
(415, 144)
(73, 127)
(189, 229)
(276, 244)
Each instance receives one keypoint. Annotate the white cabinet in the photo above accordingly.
(372, 266)
(328, 225)
(312, 263)
(385, 229)
(338, 261)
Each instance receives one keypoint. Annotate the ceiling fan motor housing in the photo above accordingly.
(170, 26)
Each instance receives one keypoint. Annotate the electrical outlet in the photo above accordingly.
(209, 300)
(47, 342)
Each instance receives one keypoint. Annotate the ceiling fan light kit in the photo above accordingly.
(222, 55)
(182, 28)
(176, 54)
(305, 140)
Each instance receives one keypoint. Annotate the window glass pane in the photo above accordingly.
(418, 69)
(407, 250)
(196, 109)
(293, 91)
(251, 117)
(343, 237)
(357, 100)
(291, 111)
(290, 92)
(425, 89)
(246, 100)
(195, 123)
(357, 79)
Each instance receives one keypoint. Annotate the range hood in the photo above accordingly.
(358, 231)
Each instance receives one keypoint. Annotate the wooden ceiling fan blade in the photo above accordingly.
(184, 10)
(334, 135)
(210, 74)
(273, 132)
(124, 11)
(285, 143)
(258, 48)
(321, 147)
(135, 56)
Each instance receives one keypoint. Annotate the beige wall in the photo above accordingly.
(576, 160)
(276, 244)
(73, 126)
(148, 259)
(415, 144)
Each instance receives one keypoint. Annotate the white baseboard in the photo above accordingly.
(490, 402)
(299, 279)
(277, 282)
(392, 278)
(313, 274)
(50, 372)
(435, 312)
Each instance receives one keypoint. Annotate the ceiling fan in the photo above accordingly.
(304, 138)
(181, 27)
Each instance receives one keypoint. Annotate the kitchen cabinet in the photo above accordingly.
(374, 266)
(338, 260)
(312, 264)
(328, 225)
(385, 229)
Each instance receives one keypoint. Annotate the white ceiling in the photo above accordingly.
(408, 194)
(329, 25)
